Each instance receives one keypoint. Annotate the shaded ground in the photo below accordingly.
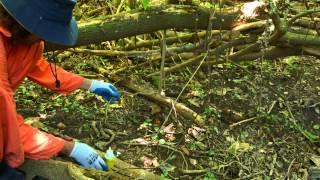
(278, 99)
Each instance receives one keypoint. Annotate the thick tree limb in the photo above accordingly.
(154, 19)
(271, 53)
(294, 39)
(173, 16)
(58, 170)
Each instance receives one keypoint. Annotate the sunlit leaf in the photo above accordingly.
(145, 4)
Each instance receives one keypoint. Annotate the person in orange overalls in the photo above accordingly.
(23, 27)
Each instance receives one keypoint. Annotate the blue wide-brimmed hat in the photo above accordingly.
(50, 20)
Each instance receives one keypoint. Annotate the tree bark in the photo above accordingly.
(154, 19)
(165, 17)
(58, 170)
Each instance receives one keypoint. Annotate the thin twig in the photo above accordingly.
(243, 121)
(94, 126)
(273, 163)
(120, 6)
(294, 18)
(194, 171)
(113, 135)
(289, 169)
(271, 107)
(251, 175)
(185, 86)
(163, 58)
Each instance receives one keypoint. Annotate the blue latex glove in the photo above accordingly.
(106, 90)
(87, 157)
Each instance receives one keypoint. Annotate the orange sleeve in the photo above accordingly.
(41, 74)
(38, 144)
(11, 148)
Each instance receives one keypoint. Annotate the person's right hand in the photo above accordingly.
(87, 157)
(106, 90)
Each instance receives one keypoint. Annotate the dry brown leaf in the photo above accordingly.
(187, 138)
(144, 140)
(169, 129)
(147, 162)
(196, 132)
(155, 162)
(150, 162)
(170, 137)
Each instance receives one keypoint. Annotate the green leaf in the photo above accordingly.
(145, 4)
(162, 141)
(312, 137)
(210, 176)
(155, 79)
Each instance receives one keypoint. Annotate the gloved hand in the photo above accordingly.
(87, 157)
(106, 90)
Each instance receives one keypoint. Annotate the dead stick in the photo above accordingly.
(94, 126)
(243, 121)
(194, 172)
(113, 135)
(289, 169)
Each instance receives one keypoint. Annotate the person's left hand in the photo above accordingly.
(87, 157)
(106, 90)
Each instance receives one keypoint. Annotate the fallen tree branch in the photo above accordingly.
(114, 52)
(251, 25)
(293, 19)
(146, 21)
(169, 51)
(174, 16)
(170, 40)
(183, 110)
(56, 169)
(271, 53)
(198, 58)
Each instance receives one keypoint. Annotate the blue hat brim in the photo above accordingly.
(48, 30)
(55, 33)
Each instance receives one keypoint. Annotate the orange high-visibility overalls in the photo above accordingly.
(17, 139)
